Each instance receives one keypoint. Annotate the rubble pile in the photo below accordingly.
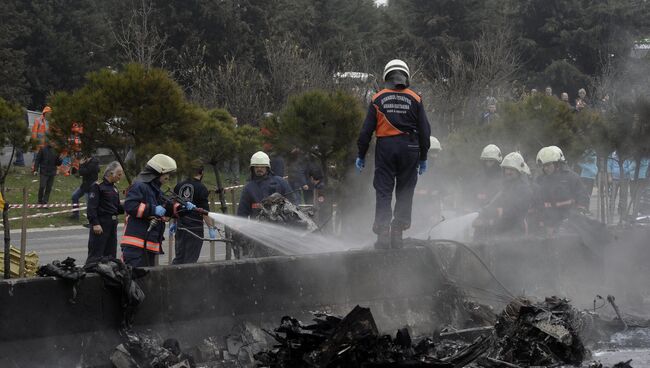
(143, 351)
(278, 209)
(545, 333)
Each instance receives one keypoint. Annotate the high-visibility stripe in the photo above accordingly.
(176, 207)
(564, 203)
(139, 243)
(141, 209)
(405, 91)
(256, 205)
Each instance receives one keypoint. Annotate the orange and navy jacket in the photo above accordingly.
(140, 206)
(394, 112)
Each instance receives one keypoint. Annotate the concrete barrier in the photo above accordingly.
(39, 326)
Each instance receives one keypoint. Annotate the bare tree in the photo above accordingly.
(139, 38)
(460, 84)
(293, 70)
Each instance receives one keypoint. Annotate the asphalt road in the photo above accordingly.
(72, 241)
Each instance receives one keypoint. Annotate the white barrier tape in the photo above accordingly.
(53, 205)
(45, 214)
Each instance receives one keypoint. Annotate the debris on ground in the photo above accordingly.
(121, 277)
(279, 210)
(143, 351)
(31, 262)
(66, 270)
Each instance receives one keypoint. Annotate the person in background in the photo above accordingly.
(103, 208)
(45, 164)
(89, 171)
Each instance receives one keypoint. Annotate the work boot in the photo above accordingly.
(396, 241)
(383, 237)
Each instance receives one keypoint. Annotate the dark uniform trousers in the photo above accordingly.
(396, 162)
(104, 244)
(188, 247)
(45, 188)
(137, 257)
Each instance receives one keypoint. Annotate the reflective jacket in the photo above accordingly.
(395, 112)
(259, 188)
(140, 206)
(39, 131)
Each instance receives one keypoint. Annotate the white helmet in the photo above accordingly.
(163, 164)
(562, 159)
(435, 144)
(491, 152)
(515, 161)
(260, 158)
(549, 155)
(397, 64)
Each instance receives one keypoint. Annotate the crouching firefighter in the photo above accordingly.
(506, 214)
(262, 184)
(397, 117)
(146, 210)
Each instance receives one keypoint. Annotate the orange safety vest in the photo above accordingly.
(39, 131)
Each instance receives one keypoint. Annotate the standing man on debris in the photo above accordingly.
(45, 164)
(188, 246)
(147, 210)
(103, 208)
(506, 213)
(88, 170)
(397, 117)
(560, 189)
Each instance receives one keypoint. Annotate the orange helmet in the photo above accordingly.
(47, 109)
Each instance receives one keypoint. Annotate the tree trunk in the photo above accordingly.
(4, 175)
(635, 193)
(602, 187)
(622, 188)
(222, 195)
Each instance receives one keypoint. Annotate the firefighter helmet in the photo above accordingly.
(549, 155)
(397, 64)
(162, 164)
(491, 152)
(260, 158)
(556, 148)
(435, 144)
(526, 169)
(515, 161)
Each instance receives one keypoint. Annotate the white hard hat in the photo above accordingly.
(396, 64)
(491, 152)
(515, 161)
(163, 164)
(549, 155)
(435, 144)
(559, 150)
(260, 158)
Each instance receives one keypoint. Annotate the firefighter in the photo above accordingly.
(487, 181)
(188, 246)
(397, 117)
(506, 212)
(103, 208)
(262, 184)
(560, 190)
(41, 127)
(146, 212)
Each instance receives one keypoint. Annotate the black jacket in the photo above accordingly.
(46, 161)
(103, 201)
(259, 188)
(89, 172)
(192, 190)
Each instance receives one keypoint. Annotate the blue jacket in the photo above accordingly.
(395, 112)
(588, 165)
(139, 206)
(259, 188)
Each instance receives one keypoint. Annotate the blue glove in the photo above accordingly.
(422, 167)
(160, 211)
(190, 206)
(212, 232)
(360, 163)
(172, 228)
